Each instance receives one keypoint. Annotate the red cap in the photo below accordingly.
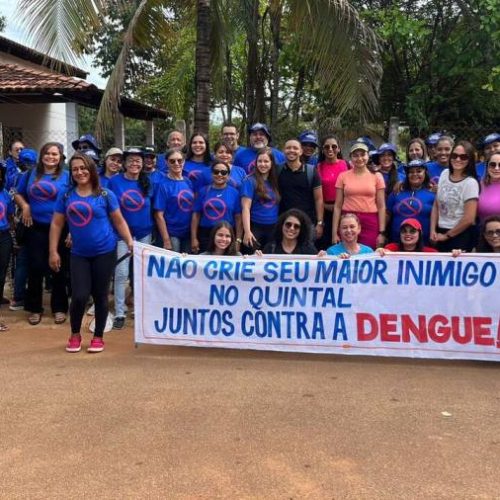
(413, 223)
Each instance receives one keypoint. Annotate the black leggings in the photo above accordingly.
(91, 275)
(5, 253)
(37, 242)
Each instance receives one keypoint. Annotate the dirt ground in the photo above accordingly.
(188, 423)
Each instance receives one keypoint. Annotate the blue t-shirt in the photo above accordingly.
(161, 162)
(6, 209)
(245, 158)
(91, 230)
(135, 206)
(12, 173)
(175, 198)
(480, 170)
(42, 194)
(410, 204)
(216, 205)
(339, 248)
(261, 211)
(236, 176)
(156, 178)
(194, 171)
(313, 160)
(435, 170)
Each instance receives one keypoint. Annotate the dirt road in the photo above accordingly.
(160, 422)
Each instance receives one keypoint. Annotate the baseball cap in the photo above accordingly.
(260, 126)
(308, 137)
(358, 145)
(113, 151)
(90, 139)
(366, 139)
(433, 139)
(133, 150)
(28, 156)
(491, 138)
(416, 164)
(412, 223)
(149, 151)
(387, 147)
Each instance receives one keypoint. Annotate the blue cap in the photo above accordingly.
(28, 156)
(90, 139)
(433, 139)
(416, 164)
(149, 150)
(491, 138)
(91, 154)
(260, 126)
(133, 150)
(308, 137)
(387, 147)
(366, 139)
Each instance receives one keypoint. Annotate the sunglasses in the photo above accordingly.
(491, 233)
(173, 161)
(292, 225)
(456, 156)
(408, 230)
(494, 164)
(220, 172)
(331, 146)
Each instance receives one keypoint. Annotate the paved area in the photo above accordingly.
(187, 423)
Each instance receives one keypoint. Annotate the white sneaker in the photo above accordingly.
(107, 327)
(91, 310)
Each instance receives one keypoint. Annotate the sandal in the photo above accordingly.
(59, 318)
(34, 318)
(3, 327)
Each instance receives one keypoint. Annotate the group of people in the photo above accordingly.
(77, 220)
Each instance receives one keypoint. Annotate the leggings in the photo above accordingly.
(91, 275)
(5, 252)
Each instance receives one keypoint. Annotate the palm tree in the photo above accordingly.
(342, 51)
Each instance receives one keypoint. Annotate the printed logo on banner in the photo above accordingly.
(79, 213)
(43, 191)
(185, 200)
(410, 207)
(132, 200)
(214, 208)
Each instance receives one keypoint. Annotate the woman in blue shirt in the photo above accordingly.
(215, 203)
(198, 159)
(173, 205)
(349, 230)
(89, 211)
(135, 194)
(36, 195)
(260, 202)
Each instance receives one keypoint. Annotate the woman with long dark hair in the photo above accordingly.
(260, 202)
(416, 150)
(415, 199)
(455, 207)
(292, 235)
(198, 159)
(135, 193)
(222, 240)
(37, 193)
(489, 197)
(489, 239)
(411, 238)
(90, 212)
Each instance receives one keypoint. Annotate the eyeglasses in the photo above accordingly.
(456, 156)
(408, 230)
(331, 146)
(491, 233)
(134, 160)
(220, 172)
(173, 161)
(494, 164)
(292, 225)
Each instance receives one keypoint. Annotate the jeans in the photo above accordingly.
(180, 245)
(122, 274)
(5, 252)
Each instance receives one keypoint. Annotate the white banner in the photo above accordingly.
(410, 305)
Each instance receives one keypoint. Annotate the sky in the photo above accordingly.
(16, 33)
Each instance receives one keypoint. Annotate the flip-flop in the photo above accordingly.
(59, 318)
(3, 327)
(34, 318)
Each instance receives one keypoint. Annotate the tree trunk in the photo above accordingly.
(275, 54)
(229, 86)
(252, 29)
(202, 78)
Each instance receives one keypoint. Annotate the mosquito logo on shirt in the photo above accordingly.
(79, 213)
(43, 191)
(214, 208)
(409, 207)
(132, 200)
(185, 200)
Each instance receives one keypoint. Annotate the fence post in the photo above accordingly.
(394, 130)
(150, 132)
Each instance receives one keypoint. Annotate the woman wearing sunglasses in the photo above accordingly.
(330, 166)
(489, 197)
(489, 240)
(215, 203)
(455, 207)
(411, 238)
(173, 204)
(292, 235)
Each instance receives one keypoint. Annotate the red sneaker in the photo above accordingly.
(96, 345)
(74, 343)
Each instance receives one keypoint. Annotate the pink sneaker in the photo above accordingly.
(74, 343)
(96, 345)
